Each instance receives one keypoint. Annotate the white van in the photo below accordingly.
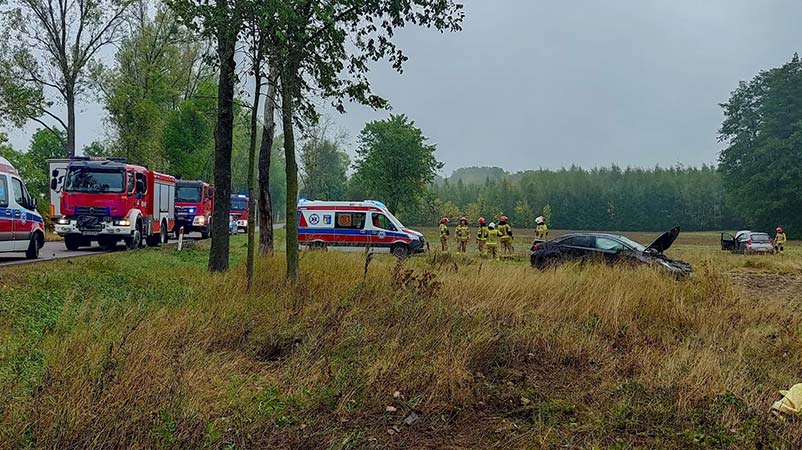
(355, 226)
(21, 227)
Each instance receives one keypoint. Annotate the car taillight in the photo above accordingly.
(535, 248)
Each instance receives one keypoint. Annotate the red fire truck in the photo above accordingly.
(240, 210)
(21, 227)
(108, 201)
(194, 203)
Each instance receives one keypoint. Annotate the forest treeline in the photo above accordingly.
(614, 198)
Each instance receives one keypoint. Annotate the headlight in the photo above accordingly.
(122, 223)
(63, 221)
(201, 220)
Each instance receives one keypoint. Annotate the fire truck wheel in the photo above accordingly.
(37, 242)
(72, 242)
(205, 234)
(108, 244)
(133, 242)
(163, 238)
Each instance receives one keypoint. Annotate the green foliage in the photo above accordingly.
(32, 164)
(394, 163)
(160, 98)
(599, 199)
(324, 166)
(761, 166)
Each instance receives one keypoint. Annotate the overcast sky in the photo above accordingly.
(531, 83)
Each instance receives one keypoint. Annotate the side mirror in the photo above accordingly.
(53, 183)
(54, 173)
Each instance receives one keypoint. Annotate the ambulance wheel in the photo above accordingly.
(37, 242)
(399, 250)
(320, 246)
(133, 242)
(72, 242)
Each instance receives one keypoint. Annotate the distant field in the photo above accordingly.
(146, 350)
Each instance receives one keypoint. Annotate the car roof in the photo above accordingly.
(608, 235)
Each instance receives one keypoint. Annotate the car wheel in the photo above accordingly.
(37, 241)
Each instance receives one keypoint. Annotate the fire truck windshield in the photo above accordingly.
(239, 204)
(94, 181)
(188, 194)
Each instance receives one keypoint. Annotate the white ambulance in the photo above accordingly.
(21, 227)
(355, 226)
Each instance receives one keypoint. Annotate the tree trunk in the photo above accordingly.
(265, 152)
(70, 99)
(223, 135)
(291, 216)
(257, 92)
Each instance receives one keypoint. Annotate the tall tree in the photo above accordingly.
(159, 66)
(48, 47)
(762, 164)
(326, 47)
(323, 164)
(394, 163)
(265, 157)
(221, 20)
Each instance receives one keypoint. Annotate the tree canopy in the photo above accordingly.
(762, 165)
(394, 163)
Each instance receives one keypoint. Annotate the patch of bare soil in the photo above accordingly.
(787, 287)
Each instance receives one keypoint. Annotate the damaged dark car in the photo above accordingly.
(610, 248)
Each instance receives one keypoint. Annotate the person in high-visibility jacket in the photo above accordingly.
(463, 233)
(541, 229)
(779, 241)
(505, 235)
(481, 236)
(444, 234)
(492, 240)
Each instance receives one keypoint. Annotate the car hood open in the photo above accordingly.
(664, 241)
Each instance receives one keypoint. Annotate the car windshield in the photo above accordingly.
(187, 193)
(94, 181)
(239, 204)
(632, 243)
(761, 238)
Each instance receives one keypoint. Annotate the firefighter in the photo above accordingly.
(481, 236)
(444, 234)
(779, 241)
(463, 233)
(541, 229)
(505, 235)
(492, 240)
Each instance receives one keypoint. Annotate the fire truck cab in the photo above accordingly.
(240, 209)
(21, 227)
(194, 203)
(108, 201)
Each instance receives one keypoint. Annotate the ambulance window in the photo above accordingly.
(19, 195)
(349, 220)
(3, 192)
(383, 222)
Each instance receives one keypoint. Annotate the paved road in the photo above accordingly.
(56, 250)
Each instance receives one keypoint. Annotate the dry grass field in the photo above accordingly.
(146, 350)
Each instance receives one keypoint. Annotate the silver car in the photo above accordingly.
(747, 242)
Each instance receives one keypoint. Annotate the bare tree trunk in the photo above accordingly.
(223, 137)
(265, 152)
(70, 100)
(257, 92)
(287, 83)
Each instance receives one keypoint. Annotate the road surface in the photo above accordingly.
(56, 250)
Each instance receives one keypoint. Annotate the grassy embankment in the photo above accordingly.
(147, 350)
